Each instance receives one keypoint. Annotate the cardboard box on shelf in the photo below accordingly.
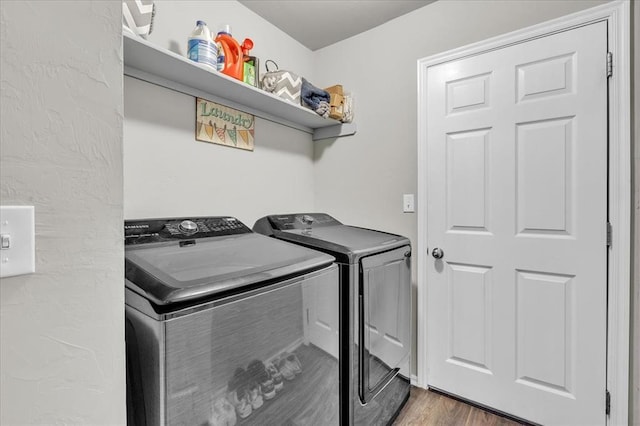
(336, 101)
(337, 89)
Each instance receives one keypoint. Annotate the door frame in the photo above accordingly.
(617, 15)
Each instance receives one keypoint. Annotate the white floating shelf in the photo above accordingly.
(145, 61)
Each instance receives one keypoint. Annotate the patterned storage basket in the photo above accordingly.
(137, 16)
(284, 84)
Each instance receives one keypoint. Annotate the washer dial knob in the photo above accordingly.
(188, 227)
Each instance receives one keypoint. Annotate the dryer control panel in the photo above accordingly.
(157, 230)
(285, 222)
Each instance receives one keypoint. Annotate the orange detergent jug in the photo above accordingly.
(233, 58)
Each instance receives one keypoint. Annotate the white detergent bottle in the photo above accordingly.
(225, 29)
(201, 48)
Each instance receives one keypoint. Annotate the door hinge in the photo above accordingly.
(607, 409)
(609, 231)
(609, 64)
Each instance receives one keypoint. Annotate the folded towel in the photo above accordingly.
(323, 109)
(314, 98)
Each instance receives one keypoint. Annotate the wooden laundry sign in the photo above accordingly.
(219, 124)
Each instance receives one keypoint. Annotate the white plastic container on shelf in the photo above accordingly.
(201, 48)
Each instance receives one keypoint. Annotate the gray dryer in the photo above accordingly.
(375, 310)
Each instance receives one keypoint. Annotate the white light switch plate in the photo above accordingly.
(408, 205)
(17, 232)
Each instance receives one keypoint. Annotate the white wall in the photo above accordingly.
(168, 173)
(62, 328)
(379, 163)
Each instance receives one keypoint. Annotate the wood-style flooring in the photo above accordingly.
(295, 404)
(428, 408)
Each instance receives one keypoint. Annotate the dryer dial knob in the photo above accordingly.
(307, 219)
(188, 227)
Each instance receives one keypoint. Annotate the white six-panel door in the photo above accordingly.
(320, 304)
(517, 201)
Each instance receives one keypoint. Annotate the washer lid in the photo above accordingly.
(350, 241)
(173, 272)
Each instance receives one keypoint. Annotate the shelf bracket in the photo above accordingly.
(344, 129)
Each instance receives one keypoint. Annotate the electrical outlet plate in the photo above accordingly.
(408, 203)
(17, 233)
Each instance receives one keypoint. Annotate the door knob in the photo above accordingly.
(437, 253)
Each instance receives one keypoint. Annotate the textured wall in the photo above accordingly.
(61, 329)
(377, 165)
(168, 173)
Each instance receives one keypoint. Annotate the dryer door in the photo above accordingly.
(384, 322)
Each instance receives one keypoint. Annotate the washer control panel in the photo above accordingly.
(157, 230)
(188, 227)
(302, 221)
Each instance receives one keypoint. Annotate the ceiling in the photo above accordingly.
(319, 23)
